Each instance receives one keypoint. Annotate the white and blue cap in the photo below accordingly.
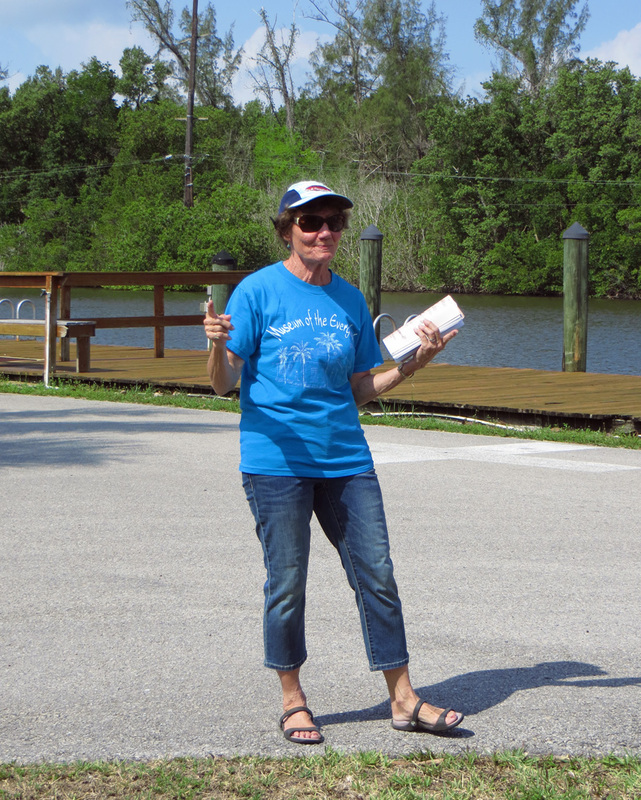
(304, 192)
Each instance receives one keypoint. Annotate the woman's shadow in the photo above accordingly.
(474, 692)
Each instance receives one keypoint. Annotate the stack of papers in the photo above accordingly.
(404, 341)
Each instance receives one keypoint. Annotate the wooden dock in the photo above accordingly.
(512, 396)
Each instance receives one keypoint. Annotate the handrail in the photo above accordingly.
(21, 303)
(19, 306)
(379, 318)
(13, 308)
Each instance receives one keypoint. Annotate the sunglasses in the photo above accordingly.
(311, 223)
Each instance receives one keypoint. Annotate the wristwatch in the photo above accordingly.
(400, 366)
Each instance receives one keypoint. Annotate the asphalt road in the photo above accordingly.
(131, 592)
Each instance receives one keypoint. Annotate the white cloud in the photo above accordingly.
(15, 80)
(69, 46)
(306, 43)
(471, 84)
(243, 84)
(624, 49)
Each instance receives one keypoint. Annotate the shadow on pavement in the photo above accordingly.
(475, 692)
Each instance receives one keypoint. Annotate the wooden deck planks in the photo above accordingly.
(526, 389)
(522, 391)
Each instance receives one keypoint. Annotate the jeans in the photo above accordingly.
(350, 512)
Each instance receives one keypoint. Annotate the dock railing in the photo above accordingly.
(57, 288)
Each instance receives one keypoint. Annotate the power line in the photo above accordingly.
(17, 172)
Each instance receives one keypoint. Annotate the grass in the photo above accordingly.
(566, 434)
(135, 394)
(383, 416)
(332, 776)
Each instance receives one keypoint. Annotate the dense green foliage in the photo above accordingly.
(471, 194)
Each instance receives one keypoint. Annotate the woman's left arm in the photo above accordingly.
(366, 386)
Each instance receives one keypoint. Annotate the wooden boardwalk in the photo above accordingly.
(509, 395)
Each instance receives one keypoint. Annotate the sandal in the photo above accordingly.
(289, 732)
(417, 725)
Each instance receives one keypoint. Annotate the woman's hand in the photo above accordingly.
(217, 326)
(431, 345)
(224, 366)
(367, 386)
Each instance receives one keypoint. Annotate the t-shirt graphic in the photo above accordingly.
(320, 361)
(301, 344)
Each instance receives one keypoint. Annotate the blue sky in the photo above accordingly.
(67, 33)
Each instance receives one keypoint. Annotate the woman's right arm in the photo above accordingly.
(224, 366)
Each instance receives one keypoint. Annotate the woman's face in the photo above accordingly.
(314, 247)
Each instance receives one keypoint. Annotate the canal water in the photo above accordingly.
(499, 331)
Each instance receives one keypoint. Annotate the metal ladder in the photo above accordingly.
(15, 310)
(380, 317)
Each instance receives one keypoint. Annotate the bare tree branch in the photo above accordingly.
(274, 67)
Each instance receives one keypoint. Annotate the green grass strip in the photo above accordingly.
(366, 776)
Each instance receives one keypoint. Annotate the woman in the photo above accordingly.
(304, 342)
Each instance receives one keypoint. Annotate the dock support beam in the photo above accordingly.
(371, 264)
(575, 298)
(221, 292)
(51, 326)
(159, 330)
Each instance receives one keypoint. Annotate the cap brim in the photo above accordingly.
(338, 198)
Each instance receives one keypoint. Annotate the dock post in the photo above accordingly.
(64, 312)
(575, 298)
(371, 268)
(221, 292)
(51, 327)
(159, 330)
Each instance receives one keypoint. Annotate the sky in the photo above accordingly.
(67, 33)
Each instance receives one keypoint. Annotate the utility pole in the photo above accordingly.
(189, 137)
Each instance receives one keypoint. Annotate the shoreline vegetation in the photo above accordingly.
(382, 416)
(333, 776)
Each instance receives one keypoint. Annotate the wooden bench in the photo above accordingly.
(78, 329)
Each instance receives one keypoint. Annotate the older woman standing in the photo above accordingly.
(303, 341)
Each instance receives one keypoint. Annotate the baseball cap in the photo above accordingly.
(304, 192)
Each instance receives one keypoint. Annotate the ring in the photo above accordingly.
(432, 339)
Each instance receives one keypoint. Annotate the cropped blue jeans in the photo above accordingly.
(350, 512)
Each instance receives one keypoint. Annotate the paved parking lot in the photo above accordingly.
(131, 584)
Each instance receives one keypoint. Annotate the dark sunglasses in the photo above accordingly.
(311, 223)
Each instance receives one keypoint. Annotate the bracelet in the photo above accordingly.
(400, 366)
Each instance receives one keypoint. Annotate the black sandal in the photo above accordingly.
(289, 732)
(416, 724)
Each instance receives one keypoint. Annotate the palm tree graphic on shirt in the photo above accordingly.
(299, 363)
(330, 342)
(301, 352)
(283, 357)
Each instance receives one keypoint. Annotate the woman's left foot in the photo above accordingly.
(446, 719)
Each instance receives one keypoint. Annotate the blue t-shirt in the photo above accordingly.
(300, 344)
